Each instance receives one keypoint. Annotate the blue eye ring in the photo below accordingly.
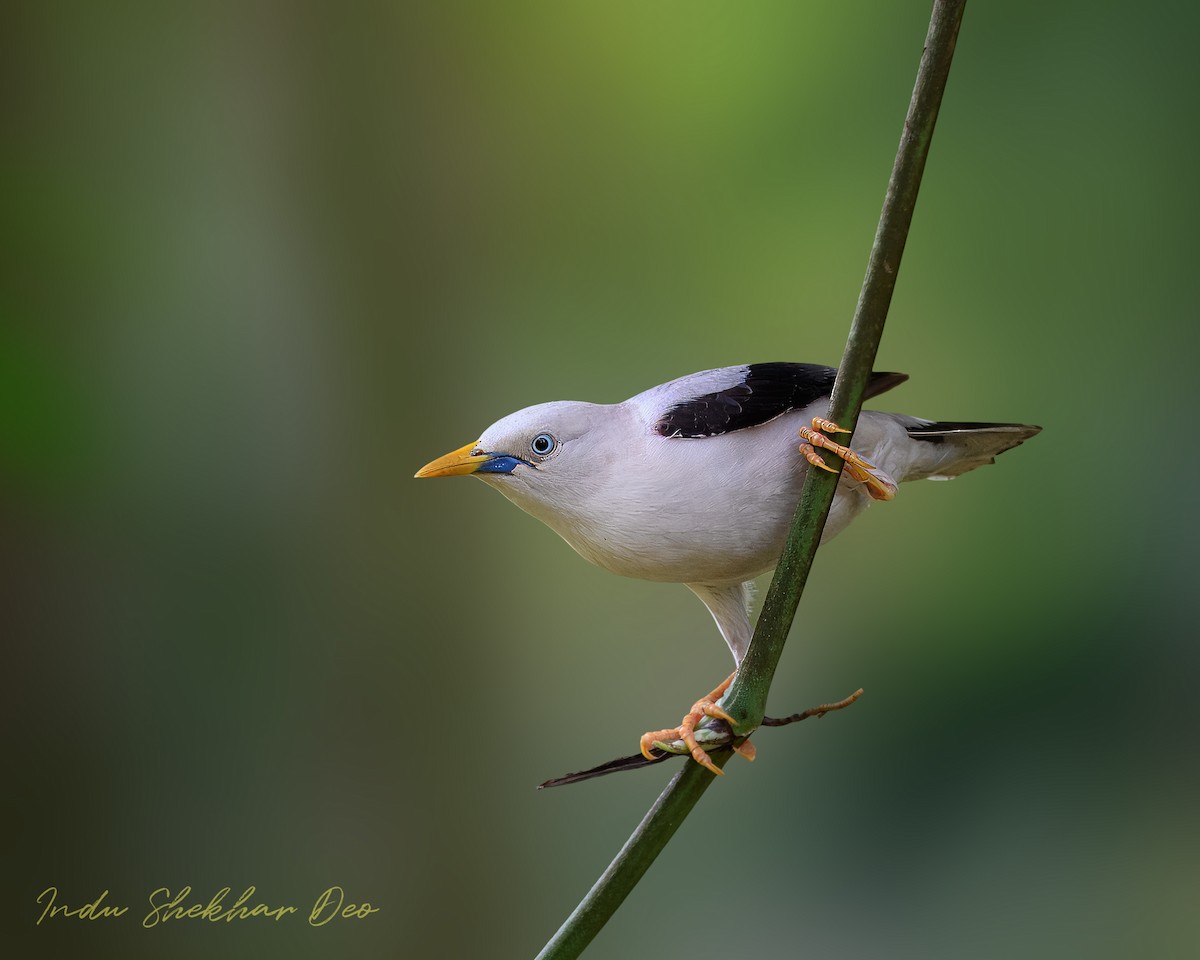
(543, 444)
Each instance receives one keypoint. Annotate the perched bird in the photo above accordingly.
(695, 481)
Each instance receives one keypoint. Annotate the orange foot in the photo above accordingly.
(706, 706)
(879, 485)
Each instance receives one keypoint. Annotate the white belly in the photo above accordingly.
(713, 510)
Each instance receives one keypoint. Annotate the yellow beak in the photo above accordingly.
(461, 461)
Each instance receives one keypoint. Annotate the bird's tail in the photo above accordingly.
(948, 449)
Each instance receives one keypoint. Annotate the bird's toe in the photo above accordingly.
(879, 484)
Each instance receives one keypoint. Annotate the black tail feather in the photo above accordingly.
(957, 447)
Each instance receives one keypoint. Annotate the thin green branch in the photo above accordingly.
(627, 868)
(747, 697)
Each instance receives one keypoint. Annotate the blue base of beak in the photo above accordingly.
(499, 465)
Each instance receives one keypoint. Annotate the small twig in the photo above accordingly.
(813, 711)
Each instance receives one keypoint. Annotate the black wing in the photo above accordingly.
(768, 391)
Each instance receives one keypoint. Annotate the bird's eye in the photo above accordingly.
(542, 444)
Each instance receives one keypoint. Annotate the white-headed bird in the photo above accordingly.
(696, 481)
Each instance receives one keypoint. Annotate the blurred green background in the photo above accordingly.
(263, 261)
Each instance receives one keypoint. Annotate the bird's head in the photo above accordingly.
(543, 456)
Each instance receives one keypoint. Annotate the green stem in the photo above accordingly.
(747, 697)
(627, 868)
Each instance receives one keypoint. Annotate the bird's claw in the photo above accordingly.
(746, 749)
(811, 455)
(879, 485)
(706, 706)
(827, 426)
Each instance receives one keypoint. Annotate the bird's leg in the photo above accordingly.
(879, 485)
(706, 706)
